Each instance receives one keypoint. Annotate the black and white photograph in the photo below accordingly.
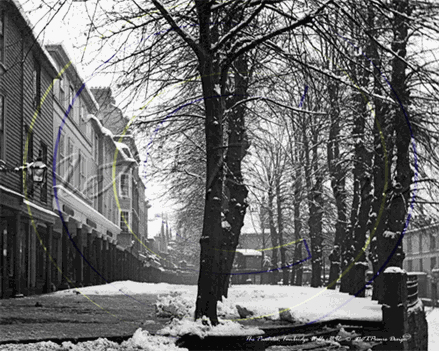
(219, 175)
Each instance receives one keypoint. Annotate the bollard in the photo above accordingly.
(394, 308)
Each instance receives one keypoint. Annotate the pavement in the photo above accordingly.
(76, 317)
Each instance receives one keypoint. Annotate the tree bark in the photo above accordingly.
(337, 176)
(273, 237)
(315, 207)
(297, 269)
(237, 146)
(390, 250)
(280, 222)
(211, 241)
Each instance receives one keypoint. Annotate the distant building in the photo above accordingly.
(131, 204)
(421, 249)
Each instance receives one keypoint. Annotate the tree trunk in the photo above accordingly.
(296, 278)
(281, 230)
(237, 146)
(210, 282)
(389, 243)
(315, 207)
(273, 237)
(337, 176)
(362, 176)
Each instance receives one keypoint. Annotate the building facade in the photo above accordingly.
(421, 249)
(63, 228)
(26, 216)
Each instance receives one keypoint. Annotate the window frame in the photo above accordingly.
(82, 168)
(70, 165)
(122, 223)
(30, 153)
(62, 96)
(121, 192)
(61, 154)
(36, 85)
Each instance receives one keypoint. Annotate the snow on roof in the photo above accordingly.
(249, 252)
(122, 148)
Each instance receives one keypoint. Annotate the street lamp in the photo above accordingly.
(38, 170)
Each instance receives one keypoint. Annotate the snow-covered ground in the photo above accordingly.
(304, 304)
(432, 315)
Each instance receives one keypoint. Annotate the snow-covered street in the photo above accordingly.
(261, 301)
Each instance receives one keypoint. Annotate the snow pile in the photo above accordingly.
(141, 340)
(144, 341)
(202, 328)
(98, 345)
(180, 305)
(174, 306)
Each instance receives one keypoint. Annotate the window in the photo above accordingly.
(61, 155)
(95, 192)
(421, 265)
(421, 242)
(43, 193)
(110, 208)
(2, 37)
(96, 145)
(432, 242)
(56, 87)
(433, 263)
(36, 86)
(2, 127)
(29, 148)
(82, 169)
(124, 190)
(70, 160)
(410, 268)
(124, 218)
(62, 94)
(105, 196)
(409, 244)
(29, 143)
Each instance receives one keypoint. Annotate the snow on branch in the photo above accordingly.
(295, 109)
(184, 35)
(239, 27)
(261, 39)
